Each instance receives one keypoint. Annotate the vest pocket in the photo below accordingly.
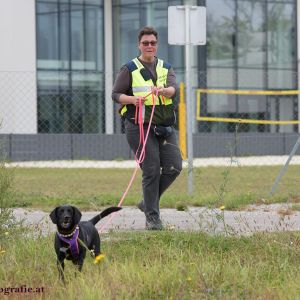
(163, 115)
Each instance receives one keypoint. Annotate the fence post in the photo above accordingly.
(182, 122)
(284, 168)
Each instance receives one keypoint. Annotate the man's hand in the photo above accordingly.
(167, 92)
(158, 90)
(125, 99)
(136, 100)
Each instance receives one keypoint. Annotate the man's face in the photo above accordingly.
(148, 46)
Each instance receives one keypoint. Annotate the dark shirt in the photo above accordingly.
(123, 81)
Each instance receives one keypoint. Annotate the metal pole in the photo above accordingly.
(108, 61)
(283, 170)
(298, 54)
(190, 113)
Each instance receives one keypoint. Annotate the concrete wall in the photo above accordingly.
(18, 67)
(38, 147)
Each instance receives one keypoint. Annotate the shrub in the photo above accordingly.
(8, 223)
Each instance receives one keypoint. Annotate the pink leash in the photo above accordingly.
(143, 141)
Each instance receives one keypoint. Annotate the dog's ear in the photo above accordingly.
(53, 215)
(77, 214)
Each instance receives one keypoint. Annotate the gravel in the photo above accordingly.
(197, 162)
(256, 218)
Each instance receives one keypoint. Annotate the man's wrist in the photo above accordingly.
(164, 92)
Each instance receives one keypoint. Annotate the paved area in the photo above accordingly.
(274, 217)
(197, 162)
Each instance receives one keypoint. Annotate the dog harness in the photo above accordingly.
(72, 240)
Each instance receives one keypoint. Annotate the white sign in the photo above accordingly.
(177, 16)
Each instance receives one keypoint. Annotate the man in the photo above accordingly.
(132, 88)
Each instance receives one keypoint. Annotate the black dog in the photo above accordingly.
(73, 238)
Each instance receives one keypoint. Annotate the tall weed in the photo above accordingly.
(9, 226)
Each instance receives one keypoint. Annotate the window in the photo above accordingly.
(70, 66)
(251, 44)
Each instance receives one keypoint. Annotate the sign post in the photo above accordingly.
(187, 26)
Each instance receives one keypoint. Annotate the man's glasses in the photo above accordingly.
(147, 43)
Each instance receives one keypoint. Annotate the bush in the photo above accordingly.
(8, 223)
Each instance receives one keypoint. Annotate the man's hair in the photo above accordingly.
(147, 31)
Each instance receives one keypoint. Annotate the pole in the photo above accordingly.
(190, 113)
(284, 168)
(182, 122)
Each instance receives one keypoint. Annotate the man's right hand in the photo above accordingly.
(137, 100)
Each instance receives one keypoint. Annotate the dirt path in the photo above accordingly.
(274, 217)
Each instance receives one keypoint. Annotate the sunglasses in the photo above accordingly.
(147, 43)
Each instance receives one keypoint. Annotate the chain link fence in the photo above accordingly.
(63, 117)
(75, 102)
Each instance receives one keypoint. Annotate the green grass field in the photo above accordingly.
(149, 265)
(233, 187)
(160, 265)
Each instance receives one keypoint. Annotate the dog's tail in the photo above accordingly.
(104, 213)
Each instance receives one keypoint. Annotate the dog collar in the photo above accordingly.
(68, 235)
(72, 240)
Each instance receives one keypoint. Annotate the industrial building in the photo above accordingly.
(59, 58)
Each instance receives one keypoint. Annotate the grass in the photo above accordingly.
(233, 187)
(162, 265)
(152, 265)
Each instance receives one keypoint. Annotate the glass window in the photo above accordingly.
(70, 33)
(125, 33)
(64, 37)
(129, 17)
(282, 79)
(220, 33)
(220, 103)
(220, 77)
(220, 43)
(251, 78)
(77, 37)
(251, 44)
(47, 40)
(94, 39)
(283, 108)
(281, 46)
(70, 66)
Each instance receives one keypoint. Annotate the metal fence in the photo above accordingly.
(76, 102)
(68, 121)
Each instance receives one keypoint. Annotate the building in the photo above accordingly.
(58, 60)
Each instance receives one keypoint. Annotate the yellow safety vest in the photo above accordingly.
(164, 111)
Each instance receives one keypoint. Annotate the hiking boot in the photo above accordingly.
(141, 206)
(154, 224)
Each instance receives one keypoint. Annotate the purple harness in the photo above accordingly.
(72, 242)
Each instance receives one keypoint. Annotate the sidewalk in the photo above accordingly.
(197, 162)
(275, 217)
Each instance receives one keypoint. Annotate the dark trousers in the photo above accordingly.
(161, 166)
